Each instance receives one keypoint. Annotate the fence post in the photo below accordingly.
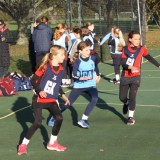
(100, 27)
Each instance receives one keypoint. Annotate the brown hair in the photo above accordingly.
(78, 31)
(85, 30)
(44, 19)
(80, 46)
(89, 24)
(2, 21)
(57, 33)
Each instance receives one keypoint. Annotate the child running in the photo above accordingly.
(46, 82)
(86, 75)
(130, 78)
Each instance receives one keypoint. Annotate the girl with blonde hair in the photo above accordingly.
(46, 83)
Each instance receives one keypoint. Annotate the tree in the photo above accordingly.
(22, 12)
(153, 10)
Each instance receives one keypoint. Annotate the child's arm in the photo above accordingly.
(152, 60)
(65, 99)
(106, 37)
(61, 92)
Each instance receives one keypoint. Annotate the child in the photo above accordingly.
(61, 37)
(130, 78)
(90, 38)
(46, 82)
(116, 43)
(85, 80)
(76, 39)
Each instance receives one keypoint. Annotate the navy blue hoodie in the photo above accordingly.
(42, 36)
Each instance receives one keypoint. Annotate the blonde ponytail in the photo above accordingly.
(54, 50)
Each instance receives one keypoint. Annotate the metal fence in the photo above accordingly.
(127, 15)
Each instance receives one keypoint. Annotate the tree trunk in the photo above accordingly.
(22, 32)
(144, 22)
(109, 18)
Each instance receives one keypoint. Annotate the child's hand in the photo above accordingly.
(134, 69)
(85, 78)
(67, 102)
(42, 94)
(98, 78)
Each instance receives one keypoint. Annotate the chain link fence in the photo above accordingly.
(127, 15)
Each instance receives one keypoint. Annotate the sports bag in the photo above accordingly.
(7, 86)
(22, 83)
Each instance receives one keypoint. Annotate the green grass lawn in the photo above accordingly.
(20, 64)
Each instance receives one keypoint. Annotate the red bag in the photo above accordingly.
(7, 86)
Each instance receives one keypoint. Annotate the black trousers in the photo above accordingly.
(116, 62)
(128, 90)
(75, 93)
(54, 110)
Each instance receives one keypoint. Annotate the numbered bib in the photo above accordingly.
(130, 61)
(49, 87)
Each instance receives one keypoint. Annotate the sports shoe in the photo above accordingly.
(130, 121)
(51, 122)
(113, 80)
(83, 123)
(125, 107)
(22, 149)
(117, 82)
(56, 146)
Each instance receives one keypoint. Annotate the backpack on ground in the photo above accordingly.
(22, 83)
(7, 86)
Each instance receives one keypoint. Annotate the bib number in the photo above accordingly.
(130, 61)
(49, 87)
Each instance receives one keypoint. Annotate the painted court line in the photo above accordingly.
(8, 115)
(12, 113)
(118, 104)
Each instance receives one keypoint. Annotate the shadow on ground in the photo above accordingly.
(24, 115)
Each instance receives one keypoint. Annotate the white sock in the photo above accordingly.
(25, 141)
(52, 139)
(130, 113)
(117, 77)
(84, 117)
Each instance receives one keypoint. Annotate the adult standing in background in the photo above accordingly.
(42, 36)
(32, 55)
(5, 39)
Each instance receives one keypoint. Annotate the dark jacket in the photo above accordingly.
(42, 36)
(4, 47)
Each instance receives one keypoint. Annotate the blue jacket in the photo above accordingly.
(42, 36)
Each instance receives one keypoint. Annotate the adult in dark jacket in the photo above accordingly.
(32, 56)
(5, 39)
(42, 36)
